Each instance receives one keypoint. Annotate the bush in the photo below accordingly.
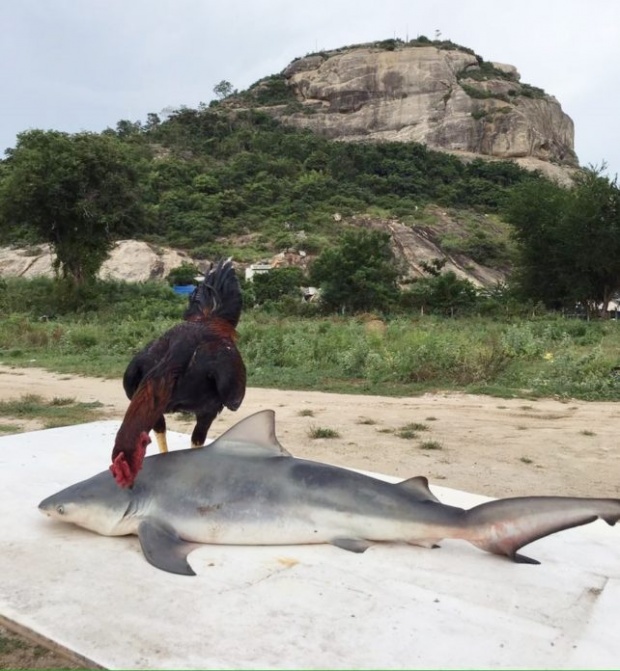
(183, 274)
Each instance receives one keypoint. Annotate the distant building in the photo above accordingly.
(259, 268)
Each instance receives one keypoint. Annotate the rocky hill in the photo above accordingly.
(438, 235)
(438, 94)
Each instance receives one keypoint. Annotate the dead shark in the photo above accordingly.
(246, 489)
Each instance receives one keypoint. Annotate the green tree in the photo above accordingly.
(78, 192)
(569, 240)
(223, 89)
(183, 274)
(278, 282)
(536, 211)
(443, 294)
(358, 274)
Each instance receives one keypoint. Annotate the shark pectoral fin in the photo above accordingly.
(351, 544)
(522, 559)
(163, 548)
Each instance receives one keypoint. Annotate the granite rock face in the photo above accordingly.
(447, 99)
(129, 260)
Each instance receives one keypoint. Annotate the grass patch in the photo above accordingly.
(504, 357)
(322, 432)
(411, 430)
(587, 432)
(431, 445)
(11, 644)
(415, 426)
(54, 413)
(10, 428)
(306, 412)
(526, 460)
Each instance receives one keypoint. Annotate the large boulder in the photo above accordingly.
(448, 99)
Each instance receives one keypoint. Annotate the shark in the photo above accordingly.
(245, 488)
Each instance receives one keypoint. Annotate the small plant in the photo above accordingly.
(587, 432)
(431, 419)
(415, 426)
(322, 432)
(183, 274)
(407, 434)
(366, 420)
(431, 445)
(306, 412)
(526, 460)
(62, 400)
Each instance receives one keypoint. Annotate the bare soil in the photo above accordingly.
(492, 446)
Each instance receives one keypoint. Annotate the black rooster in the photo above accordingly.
(193, 367)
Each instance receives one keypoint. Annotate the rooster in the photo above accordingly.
(193, 367)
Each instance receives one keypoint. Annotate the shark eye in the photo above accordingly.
(60, 509)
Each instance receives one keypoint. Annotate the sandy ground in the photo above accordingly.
(485, 445)
(481, 444)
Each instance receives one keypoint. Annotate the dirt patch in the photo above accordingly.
(481, 444)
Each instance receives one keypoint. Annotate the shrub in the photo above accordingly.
(183, 274)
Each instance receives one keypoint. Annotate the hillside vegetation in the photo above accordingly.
(402, 355)
(241, 183)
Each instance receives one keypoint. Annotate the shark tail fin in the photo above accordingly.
(503, 527)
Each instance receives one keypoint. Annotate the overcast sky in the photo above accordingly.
(75, 65)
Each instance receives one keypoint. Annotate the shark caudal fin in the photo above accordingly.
(504, 526)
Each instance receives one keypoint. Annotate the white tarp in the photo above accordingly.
(395, 606)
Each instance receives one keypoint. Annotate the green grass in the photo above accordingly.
(547, 356)
(54, 413)
(409, 431)
(415, 426)
(431, 445)
(322, 432)
(10, 428)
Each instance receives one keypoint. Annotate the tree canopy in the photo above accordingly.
(358, 274)
(569, 240)
(78, 192)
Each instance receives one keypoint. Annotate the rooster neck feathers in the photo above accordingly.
(218, 295)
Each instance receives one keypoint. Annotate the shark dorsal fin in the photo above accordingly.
(252, 436)
(418, 486)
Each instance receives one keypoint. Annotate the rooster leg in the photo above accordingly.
(203, 424)
(160, 434)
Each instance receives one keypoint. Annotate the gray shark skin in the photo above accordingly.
(246, 489)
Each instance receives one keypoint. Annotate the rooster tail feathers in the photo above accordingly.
(218, 295)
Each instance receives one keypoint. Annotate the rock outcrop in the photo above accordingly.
(448, 99)
(414, 247)
(135, 261)
(129, 260)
